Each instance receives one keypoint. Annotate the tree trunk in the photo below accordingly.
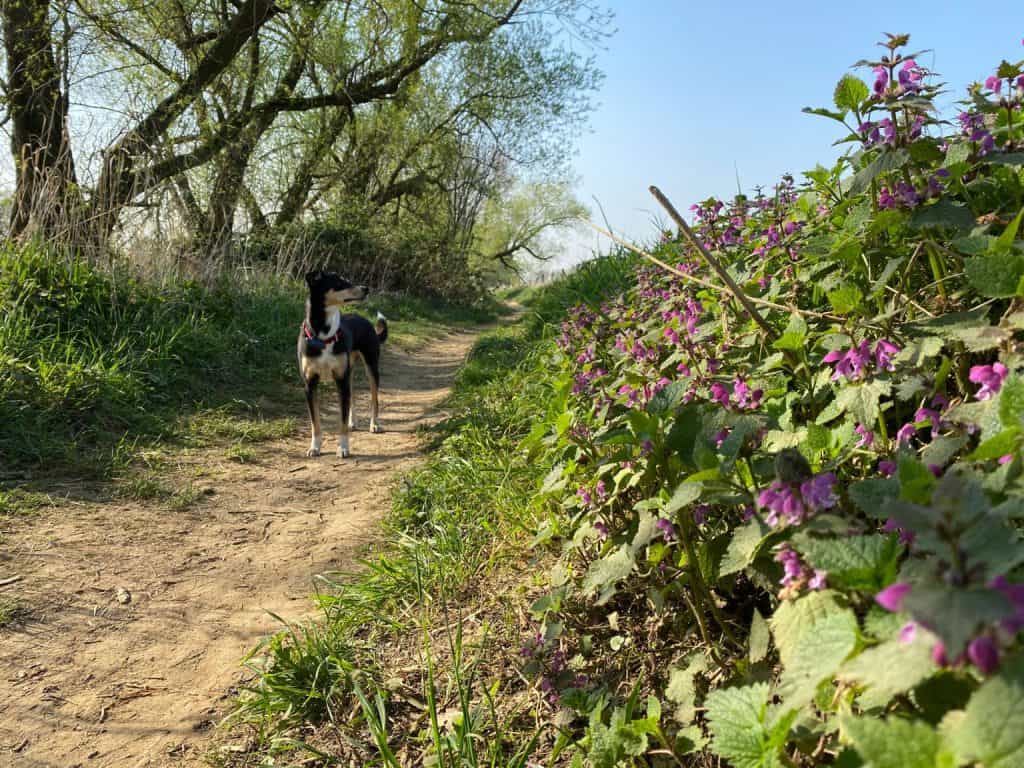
(45, 180)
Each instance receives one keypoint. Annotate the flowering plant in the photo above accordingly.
(804, 527)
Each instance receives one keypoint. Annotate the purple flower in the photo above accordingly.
(866, 437)
(908, 632)
(904, 434)
(905, 536)
(884, 352)
(700, 514)
(720, 393)
(602, 492)
(887, 468)
(881, 80)
(891, 598)
(818, 491)
(585, 496)
(1006, 458)
(984, 654)
(646, 447)
(781, 499)
(910, 76)
(602, 530)
(994, 84)
(792, 568)
(720, 437)
(668, 530)
(817, 581)
(990, 377)
(932, 417)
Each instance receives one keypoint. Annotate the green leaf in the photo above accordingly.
(850, 93)
(992, 730)
(794, 618)
(682, 690)
(794, 335)
(861, 400)
(942, 215)
(1005, 241)
(896, 743)
(845, 299)
(870, 495)
(959, 152)
(668, 398)
(1001, 444)
(955, 613)
(867, 563)
(744, 730)
(996, 275)
(687, 493)
(918, 351)
(1010, 158)
(744, 546)
(1011, 401)
(759, 637)
(816, 656)
(888, 160)
(890, 668)
(603, 574)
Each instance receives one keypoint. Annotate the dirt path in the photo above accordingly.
(93, 682)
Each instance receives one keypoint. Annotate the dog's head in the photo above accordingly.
(335, 289)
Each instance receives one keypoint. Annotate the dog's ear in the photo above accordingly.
(312, 277)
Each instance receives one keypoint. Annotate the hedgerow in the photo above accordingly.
(792, 539)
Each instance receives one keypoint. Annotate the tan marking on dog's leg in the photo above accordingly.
(345, 396)
(313, 403)
(374, 403)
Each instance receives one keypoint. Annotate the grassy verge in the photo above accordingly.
(411, 661)
(99, 370)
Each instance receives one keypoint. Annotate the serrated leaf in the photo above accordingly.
(959, 152)
(743, 546)
(816, 656)
(687, 493)
(999, 445)
(955, 614)
(942, 215)
(794, 335)
(607, 571)
(1011, 401)
(845, 299)
(888, 160)
(861, 400)
(870, 495)
(896, 743)
(866, 563)
(794, 618)
(668, 398)
(996, 275)
(850, 93)
(759, 637)
(682, 690)
(991, 732)
(890, 668)
(743, 728)
(915, 353)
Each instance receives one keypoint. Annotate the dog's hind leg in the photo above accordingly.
(313, 405)
(373, 374)
(344, 383)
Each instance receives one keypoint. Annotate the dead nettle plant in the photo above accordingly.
(787, 462)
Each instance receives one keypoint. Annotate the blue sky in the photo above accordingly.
(698, 92)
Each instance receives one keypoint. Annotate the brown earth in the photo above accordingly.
(89, 680)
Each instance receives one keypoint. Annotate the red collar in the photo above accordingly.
(313, 337)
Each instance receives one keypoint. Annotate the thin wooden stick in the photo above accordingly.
(704, 283)
(738, 292)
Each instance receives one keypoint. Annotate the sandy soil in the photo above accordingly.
(91, 680)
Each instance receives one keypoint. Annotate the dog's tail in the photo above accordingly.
(381, 328)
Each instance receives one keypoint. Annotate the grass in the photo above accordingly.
(99, 368)
(13, 611)
(455, 544)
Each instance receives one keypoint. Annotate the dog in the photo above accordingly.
(329, 343)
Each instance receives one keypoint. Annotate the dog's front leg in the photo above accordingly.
(345, 396)
(313, 405)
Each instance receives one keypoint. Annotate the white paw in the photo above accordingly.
(343, 452)
(313, 452)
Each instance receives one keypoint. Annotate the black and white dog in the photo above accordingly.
(329, 343)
